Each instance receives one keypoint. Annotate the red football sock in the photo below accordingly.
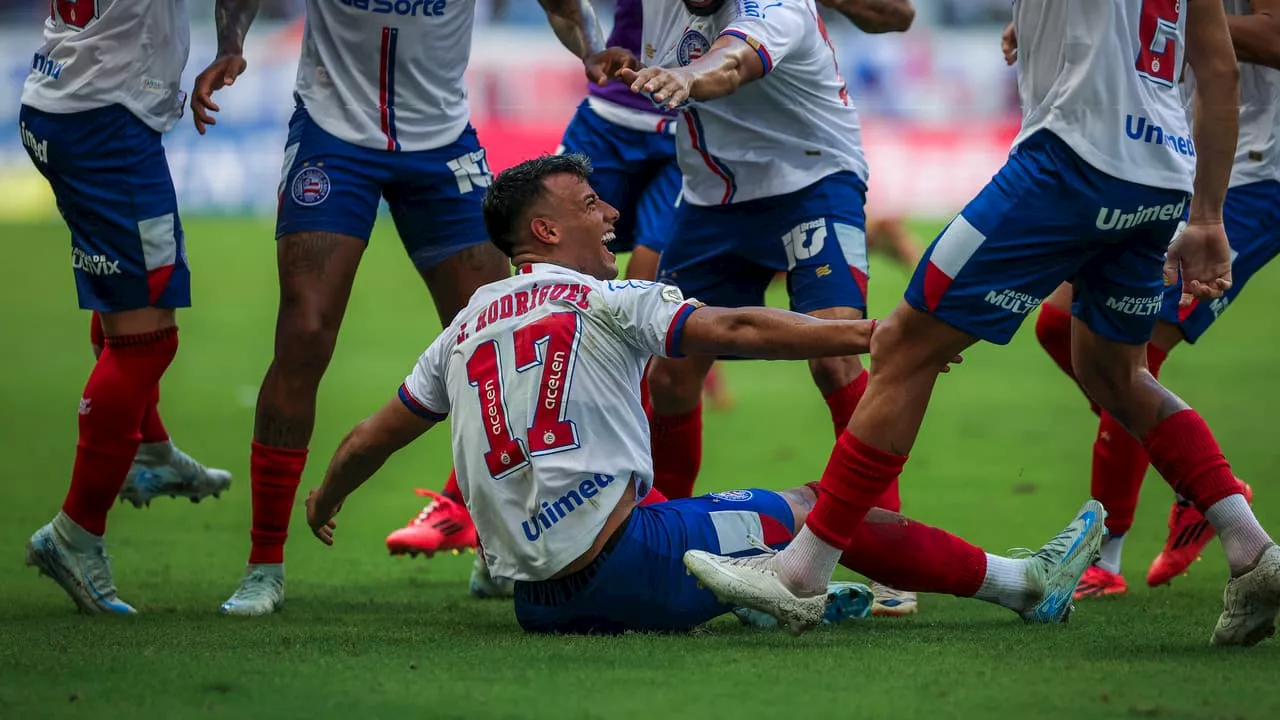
(677, 452)
(274, 476)
(451, 489)
(118, 390)
(1120, 463)
(1185, 452)
(1053, 330)
(153, 429)
(844, 401)
(908, 555)
(857, 475)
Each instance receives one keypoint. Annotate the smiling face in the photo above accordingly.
(578, 224)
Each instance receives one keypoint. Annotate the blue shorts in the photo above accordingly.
(330, 185)
(1047, 217)
(639, 581)
(1251, 215)
(726, 255)
(111, 180)
(634, 171)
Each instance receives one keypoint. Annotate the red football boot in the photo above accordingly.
(1189, 532)
(1097, 582)
(444, 525)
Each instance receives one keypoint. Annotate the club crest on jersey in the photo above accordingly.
(693, 45)
(310, 186)
(733, 495)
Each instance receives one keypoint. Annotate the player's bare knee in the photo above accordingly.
(675, 385)
(801, 501)
(910, 343)
(831, 374)
(1108, 383)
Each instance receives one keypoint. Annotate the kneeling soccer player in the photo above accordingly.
(551, 446)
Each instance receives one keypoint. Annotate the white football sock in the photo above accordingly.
(806, 565)
(1005, 583)
(1242, 537)
(1110, 560)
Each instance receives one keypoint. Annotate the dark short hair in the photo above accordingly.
(517, 188)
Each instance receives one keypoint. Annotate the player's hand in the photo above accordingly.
(1203, 254)
(222, 72)
(320, 516)
(1009, 45)
(604, 66)
(954, 361)
(669, 87)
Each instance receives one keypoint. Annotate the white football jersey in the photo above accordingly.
(783, 132)
(1103, 75)
(112, 52)
(541, 374)
(1257, 153)
(387, 74)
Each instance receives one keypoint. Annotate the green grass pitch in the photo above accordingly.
(1002, 460)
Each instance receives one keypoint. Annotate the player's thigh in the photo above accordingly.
(1030, 229)
(819, 235)
(1251, 216)
(706, 257)
(110, 177)
(328, 188)
(656, 208)
(1120, 291)
(435, 199)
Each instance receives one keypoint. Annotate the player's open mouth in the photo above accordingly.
(607, 238)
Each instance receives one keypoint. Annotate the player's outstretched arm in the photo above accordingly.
(772, 334)
(232, 19)
(730, 63)
(1256, 36)
(360, 454)
(1202, 253)
(876, 16)
(576, 26)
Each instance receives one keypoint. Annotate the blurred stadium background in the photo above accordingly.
(1003, 458)
(938, 103)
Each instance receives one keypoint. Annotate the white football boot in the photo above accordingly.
(261, 592)
(1054, 571)
(163, 469)
(892, 602)
(75, 559)
(1250, 603)
(753, 583)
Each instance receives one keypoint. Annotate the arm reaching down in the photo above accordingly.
(361, 454)
(1256, 36)
(875, 16)
(1202, 253)
(730, 63)
(232, 19)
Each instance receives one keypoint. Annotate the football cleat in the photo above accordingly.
(845, 601)
(1189, 533)
(163, 469)
(753, 582)
(1250, 603)
(75, 559)
(1054, 571)
(891, 602)
(261, 591)
(484, 586)
(1098, 582)
(444, 525)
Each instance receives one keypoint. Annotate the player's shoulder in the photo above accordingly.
(765, 10)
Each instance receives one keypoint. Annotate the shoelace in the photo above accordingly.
(100, 572)
(257, 585)
(756, 543)
(435, 504)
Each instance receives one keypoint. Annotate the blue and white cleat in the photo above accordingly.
(261, 591)
(845, 601)
(163, 469)
(484, 586)
(1054, 571)
(892, 602)
(75, 559)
